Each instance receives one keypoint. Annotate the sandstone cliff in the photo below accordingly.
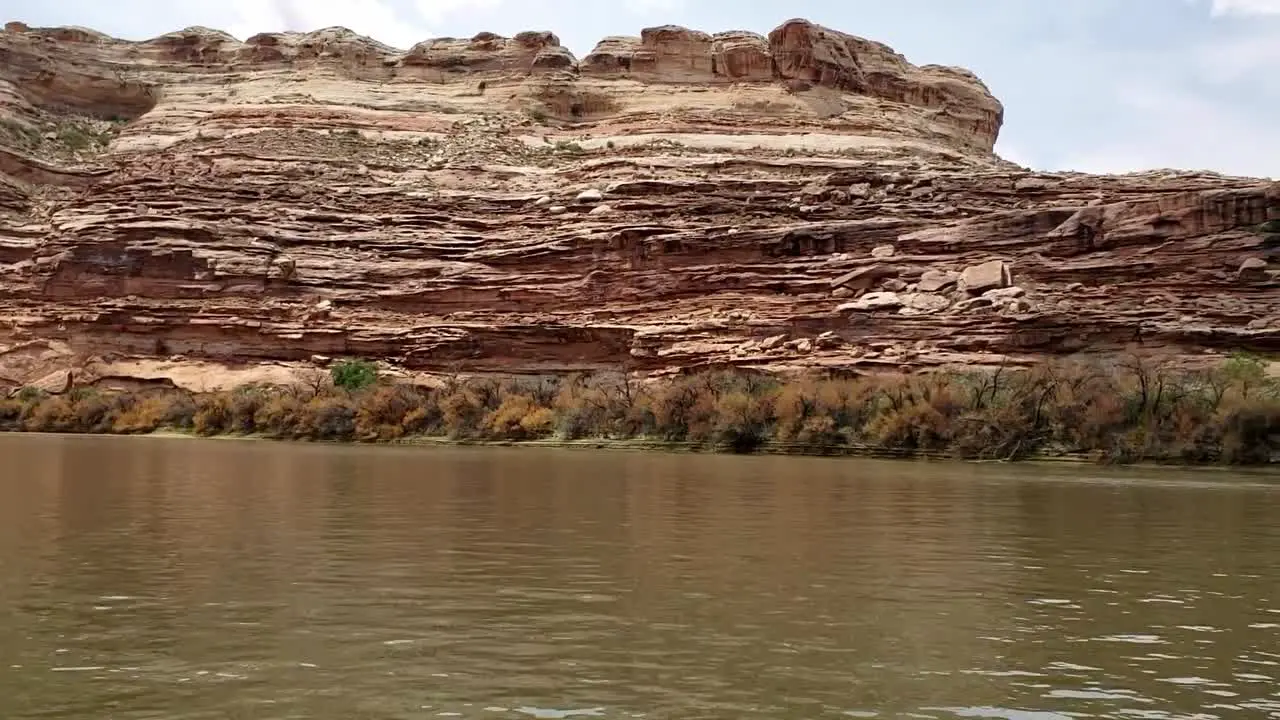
(205, 211)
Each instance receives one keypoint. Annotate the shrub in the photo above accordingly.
(383, 414)
(30, 394)
(212, 416)
(54, 414)
(327, 418)
(280, 416)
(461, 410)
(743, 420)
(1133, 409)
(82, 136)
(11, 412)
(519, 417)
(352, 375)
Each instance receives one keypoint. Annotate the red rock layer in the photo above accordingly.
(207, 211)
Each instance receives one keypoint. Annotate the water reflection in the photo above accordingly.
(146, 578)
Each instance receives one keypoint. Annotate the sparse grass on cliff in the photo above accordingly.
(1132, 411)
(76, 137)
(60, 135)
(18, 134)
(568, 147)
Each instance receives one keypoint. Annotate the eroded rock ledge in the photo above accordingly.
(203, 211)
(83, 69)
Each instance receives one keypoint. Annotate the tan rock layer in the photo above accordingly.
(809, 200)
(101, 75)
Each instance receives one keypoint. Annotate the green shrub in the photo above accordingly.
(77, 138)
(355, 374)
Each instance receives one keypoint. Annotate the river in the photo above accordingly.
(184, 579)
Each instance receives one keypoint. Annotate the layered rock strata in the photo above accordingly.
(203, 211)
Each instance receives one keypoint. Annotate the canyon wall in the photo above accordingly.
(202, 211)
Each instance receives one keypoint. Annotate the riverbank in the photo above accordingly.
(644, 446)
(1127, 412)
(641, 445)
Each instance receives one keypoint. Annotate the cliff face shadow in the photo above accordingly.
(39, 74)
(57, 104)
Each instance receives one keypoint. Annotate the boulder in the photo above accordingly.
(1006, 293)
(935, 280)
(865, 277)
(55, 383)
(1252, 269)
(773, 342)
(977, 279)
(320, 311)
(282, 267)
(923, 303)
(883, 252)
(971, 304)
(1030, 184)
(873, 301)
(860, 191)
(590, 195)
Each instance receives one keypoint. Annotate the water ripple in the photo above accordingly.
(214, 580)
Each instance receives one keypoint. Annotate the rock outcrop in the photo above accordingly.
(198, 210)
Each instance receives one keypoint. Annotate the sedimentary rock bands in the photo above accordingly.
(202, 211)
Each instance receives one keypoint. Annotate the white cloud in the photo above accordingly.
(436, 13)
(374, 18)
(1245, 7)
(1243, 55)
(1015, 154)
(1238, 57)
(644, 7)
(399, 25)
(1186, 131)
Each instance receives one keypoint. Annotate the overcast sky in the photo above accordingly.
(1094, 85)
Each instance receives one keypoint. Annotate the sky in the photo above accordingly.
(1088, 85)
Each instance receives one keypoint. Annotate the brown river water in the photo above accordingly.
(183, 579)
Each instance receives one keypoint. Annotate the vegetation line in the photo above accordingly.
(1133, 410)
